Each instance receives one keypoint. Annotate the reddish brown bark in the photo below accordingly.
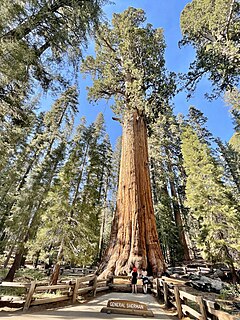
(55, 275)
(15, 266)
(56, 270)
(134, 239)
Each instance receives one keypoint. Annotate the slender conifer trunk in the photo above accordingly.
(56, 270)
(134, 239)
(177, 213)
(15, 266)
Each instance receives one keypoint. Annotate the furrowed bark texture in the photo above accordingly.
(134, 239)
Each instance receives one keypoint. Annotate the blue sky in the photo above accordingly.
(165, 14)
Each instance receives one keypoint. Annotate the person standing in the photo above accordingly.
(145, 280)
(134, 280)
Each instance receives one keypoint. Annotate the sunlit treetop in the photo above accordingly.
(213, 28)
(129, 63)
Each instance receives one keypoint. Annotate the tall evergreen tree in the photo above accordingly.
(166, 175)
(40, 162)
(129, 66)
(209, 202)
(75, 200)
(232, 98)
(37, 39)
(197, 121)
(230, 151)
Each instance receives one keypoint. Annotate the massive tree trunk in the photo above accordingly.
(134, 239)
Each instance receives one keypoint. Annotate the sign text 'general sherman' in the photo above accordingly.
(127, 307)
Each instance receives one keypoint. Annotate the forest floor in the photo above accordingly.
(89, 310)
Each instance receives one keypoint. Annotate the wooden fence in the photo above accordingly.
(69, 291)
(174, 293)
(171, 290)
(188, 269)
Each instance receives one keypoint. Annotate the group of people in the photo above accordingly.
(141, 275)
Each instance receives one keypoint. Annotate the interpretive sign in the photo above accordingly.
(127, 307)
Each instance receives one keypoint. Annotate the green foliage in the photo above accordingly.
(32, 274)
(167, 182)
(230, 159)
(129, 64)
(38, 40)
(198, 122)
(230, 152)
(232, 98)
(232, 291)
(213, 28)
(74, 203)
(17, 292)
(209, 202)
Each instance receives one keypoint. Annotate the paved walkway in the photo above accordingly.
(91, 309)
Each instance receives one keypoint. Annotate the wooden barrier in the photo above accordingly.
(69, 290)
(172, 292)
(184, 270)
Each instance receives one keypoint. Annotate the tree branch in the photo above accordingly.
(229, 18)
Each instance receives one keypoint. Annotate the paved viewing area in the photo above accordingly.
(91, 309)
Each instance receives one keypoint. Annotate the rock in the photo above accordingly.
(194, 276)
(216, 285)
(236, 305)
(218, 274)
(206, 284)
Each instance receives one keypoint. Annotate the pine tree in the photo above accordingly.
(40, 161)
(166, 179)
(74, 203)
(197, 121)
(209, 202)
(38, 38)
(230, 151)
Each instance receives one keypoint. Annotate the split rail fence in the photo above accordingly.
(173, 292)
(69, 291)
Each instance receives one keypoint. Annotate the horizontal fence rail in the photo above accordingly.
(69, 291)
(173, 292)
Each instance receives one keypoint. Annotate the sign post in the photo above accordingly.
(127, 307)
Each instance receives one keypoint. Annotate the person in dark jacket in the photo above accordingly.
(134, 280)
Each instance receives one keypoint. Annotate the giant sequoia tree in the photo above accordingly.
(129, 66)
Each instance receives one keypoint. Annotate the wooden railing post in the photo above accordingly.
(159, 294)
(75, 290)
(29, 295)
(94, 286)
(165, 294)
(202, 307)
(178, 302)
